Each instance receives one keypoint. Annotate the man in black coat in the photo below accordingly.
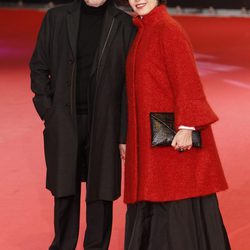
(78, 77)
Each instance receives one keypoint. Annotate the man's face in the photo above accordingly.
(95, 3)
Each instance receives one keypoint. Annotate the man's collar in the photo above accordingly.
(112, 9)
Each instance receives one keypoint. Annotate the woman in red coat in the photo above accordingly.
(171, 196)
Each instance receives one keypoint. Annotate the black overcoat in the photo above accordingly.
(53, 77)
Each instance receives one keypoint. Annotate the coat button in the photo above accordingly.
(71, 61)
(66, 105)
(68, 83)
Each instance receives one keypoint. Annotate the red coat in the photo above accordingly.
(162, 77)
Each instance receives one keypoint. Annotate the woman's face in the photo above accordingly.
(143, 7)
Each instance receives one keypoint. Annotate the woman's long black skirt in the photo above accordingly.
(190, 224)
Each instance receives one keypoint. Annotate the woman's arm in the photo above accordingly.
(191, 106)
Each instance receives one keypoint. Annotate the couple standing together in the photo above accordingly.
(97, 74)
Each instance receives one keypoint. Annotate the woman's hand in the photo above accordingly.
(122, 148)
(183, 140)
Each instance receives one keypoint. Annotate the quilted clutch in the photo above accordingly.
(162, 130)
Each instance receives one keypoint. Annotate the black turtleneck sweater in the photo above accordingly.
(90, 27)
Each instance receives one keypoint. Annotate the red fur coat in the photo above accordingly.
(162, 77)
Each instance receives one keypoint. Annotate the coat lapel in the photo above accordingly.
(110, 26)
(109, 29)
(73, 18)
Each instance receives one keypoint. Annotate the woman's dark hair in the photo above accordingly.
(162, 2)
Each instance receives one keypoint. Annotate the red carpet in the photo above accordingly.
(223, 49)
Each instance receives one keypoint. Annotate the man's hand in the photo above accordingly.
(183, 140)
(122, 148)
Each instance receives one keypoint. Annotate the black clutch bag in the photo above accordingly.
(162, 130)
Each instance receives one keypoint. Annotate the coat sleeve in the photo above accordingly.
(123, 125)
(191, 106)
(40, 70)
(124, 113)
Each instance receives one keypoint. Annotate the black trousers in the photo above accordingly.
(99, 214)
